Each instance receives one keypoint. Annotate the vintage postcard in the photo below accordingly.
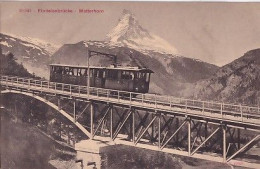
(129, 85)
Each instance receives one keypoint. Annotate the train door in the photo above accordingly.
(98, 78)
(82, 76)
(103, 78)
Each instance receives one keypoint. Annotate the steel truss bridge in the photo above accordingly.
(164, 123)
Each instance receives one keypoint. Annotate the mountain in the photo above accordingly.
(129, 32)
(238, 81)
(171, 75)
(34, 54)
(136, 46)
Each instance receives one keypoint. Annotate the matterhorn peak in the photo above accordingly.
(129, 32)
(127, 28)
(125, 11)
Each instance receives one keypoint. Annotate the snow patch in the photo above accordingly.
(5, 44)
(31, 46)
(85, 44)
(12, 39)
(25, 57)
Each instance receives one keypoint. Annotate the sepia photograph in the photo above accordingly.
(129, 85)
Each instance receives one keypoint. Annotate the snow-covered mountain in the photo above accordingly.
(34, 54)
(50, 48)
(128, 32)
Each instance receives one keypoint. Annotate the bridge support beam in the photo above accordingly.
(147, 127)
(189, 136)
(159, 131)
(74, 110)
(242, 148)
(111, 123)
(101, 121)
(177, 130)
(80, 114)
(91, 120)
(238, 138)
(119, 127)
(133, 127)
(224, 143)
(205, 140)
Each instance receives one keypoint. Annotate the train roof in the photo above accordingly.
(146, 70)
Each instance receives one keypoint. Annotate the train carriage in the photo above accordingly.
(132, 79)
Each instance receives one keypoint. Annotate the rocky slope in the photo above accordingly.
(238, 81)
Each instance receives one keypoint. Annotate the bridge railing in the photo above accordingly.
(154, 100)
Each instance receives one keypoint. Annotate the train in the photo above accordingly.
(130, 79)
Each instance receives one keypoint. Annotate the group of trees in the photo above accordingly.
(9, 66)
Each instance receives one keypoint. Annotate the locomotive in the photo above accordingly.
(131, 79)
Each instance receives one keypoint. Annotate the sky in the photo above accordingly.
(216, 33)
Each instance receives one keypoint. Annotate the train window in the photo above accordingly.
(55, 69)
(132, 75)
(139, 75)
(75, 71)
(58, 70)
(95, 72)
(84, 72)
(91, 72)
(98, 73)
(127, 75)
(70, 71)
(104, 74)
(79, 72)
(66, 71)
(61, 70)
(147, 77)
(124, 75)
(112, 74)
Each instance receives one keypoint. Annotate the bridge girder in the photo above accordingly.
(154, 127)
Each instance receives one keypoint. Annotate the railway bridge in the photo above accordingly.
(201, 129)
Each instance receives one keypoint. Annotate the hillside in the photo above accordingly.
(27, 148)
(238, 81)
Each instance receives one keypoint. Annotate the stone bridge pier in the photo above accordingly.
(89, 153)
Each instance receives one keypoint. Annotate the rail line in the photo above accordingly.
(207, 109)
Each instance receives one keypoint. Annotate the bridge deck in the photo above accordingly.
(210, 110)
